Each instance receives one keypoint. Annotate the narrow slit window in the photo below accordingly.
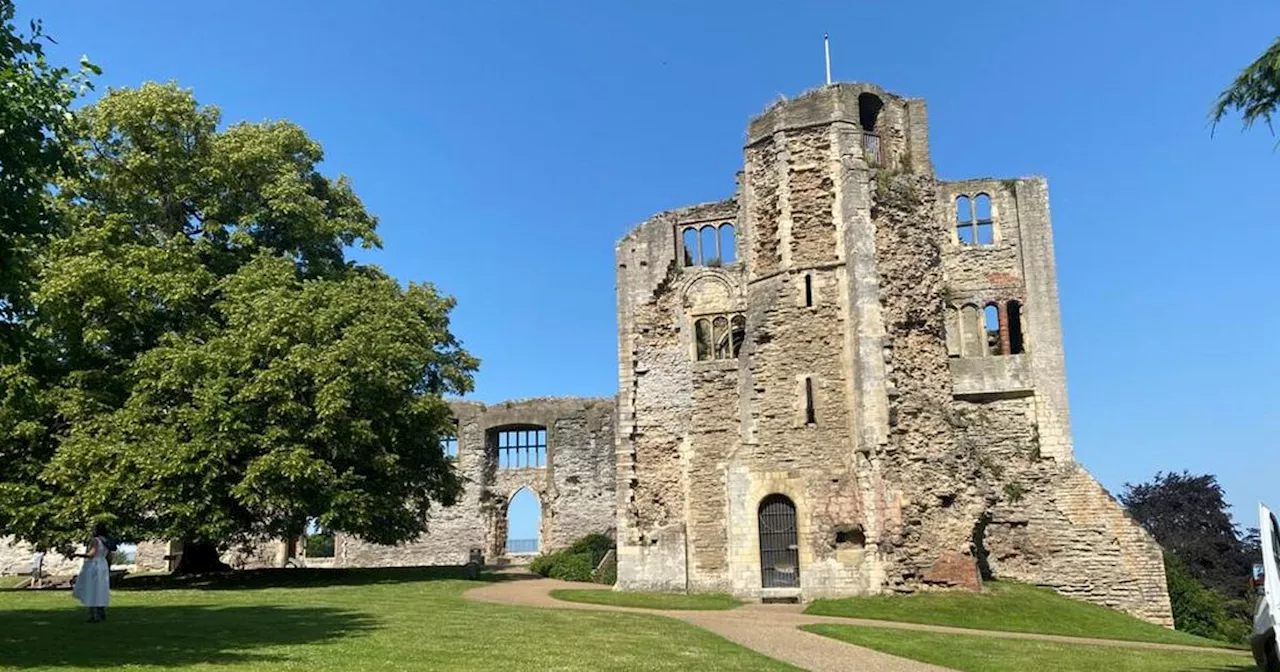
(1014, 310)
(809, 415)
(808, 290)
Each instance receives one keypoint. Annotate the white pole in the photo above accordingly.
(826, 45)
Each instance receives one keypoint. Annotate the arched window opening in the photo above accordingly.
(973, 341)
(953, 331)
(720, 336)
(1014, 310)
(524, 523)
(690, 244)
(869, 105)
(991, 324)
(738, 330)
(710, 252)
(521, 447)
(702, 339)
(964, 221)
(985, 234)
(728, 244)
(779, 544)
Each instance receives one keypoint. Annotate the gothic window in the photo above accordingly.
(718, 336)
(708, 244)
(975, 224)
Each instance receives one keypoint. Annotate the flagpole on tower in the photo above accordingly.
(826, 45)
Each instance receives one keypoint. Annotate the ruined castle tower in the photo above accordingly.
(848, 378)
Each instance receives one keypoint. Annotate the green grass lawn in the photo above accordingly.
(317, 620)
(703, 601)
(1013, 607)
(968, 653)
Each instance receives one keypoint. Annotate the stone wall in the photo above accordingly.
(918, 453)
(575, 487)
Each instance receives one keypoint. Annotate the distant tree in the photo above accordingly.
(1255, 93)
(1188, 515)
(219, 371)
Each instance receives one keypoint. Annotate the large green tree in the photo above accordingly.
(1255, 93)
(34, 100)
(223, 371)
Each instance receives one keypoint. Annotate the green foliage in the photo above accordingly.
(34, 119)
(1197, 609)
(969, 653)
(212, 367)
(666, 601)
(1255, 93)
(576, 563)
(1008, 606)
(320, 545)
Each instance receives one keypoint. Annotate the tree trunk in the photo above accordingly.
(200, 558)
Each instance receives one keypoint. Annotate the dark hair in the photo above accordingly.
(99, 530)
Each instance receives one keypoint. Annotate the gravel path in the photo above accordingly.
(773, 629)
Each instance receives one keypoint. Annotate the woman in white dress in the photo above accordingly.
(93, 585)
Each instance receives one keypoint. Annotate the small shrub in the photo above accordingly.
(573, 567)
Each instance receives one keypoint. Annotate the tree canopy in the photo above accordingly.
(210, 366)
(1255, 93)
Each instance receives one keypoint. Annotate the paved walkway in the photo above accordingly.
(773, 629)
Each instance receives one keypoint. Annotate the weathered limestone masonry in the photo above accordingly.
(849, 379)
(574, 483)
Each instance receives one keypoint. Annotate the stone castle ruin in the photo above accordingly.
(847, 378)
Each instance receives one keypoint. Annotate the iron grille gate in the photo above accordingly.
(779, 552)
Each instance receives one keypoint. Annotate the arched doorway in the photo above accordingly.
(524, 523)
(779, 549)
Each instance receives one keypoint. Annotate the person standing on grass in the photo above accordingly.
(93, 585)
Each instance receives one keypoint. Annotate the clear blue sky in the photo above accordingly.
(506, 146)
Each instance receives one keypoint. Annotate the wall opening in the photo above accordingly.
(991, 323)
(809, 416)
(1014, 310)
(985, 234)
(779, 547)
(964, 221)
(689, 241)
(522, 447)
(808, 290)
(728, 244)
(708, 244)
(524, 523)
(869, 105)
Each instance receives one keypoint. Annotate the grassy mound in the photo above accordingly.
(991, 654)
(673, 601)
(1013, 607)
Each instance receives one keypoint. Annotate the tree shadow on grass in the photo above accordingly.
(168, 636)
(256, 579)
